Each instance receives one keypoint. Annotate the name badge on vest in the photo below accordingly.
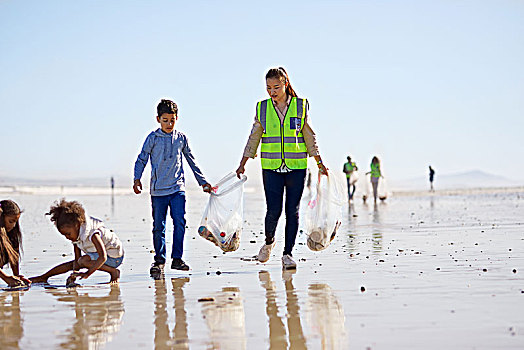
(294, 123)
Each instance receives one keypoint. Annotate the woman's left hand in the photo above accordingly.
(322, 169)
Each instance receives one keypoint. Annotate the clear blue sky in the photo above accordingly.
(414, 82)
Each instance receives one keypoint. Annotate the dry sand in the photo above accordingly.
(432, 271)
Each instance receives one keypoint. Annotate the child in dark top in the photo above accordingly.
(165, 147)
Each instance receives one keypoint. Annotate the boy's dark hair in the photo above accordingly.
(10, 242)
(166, 106)
(66, 213)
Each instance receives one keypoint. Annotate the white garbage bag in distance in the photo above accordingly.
(223, 216)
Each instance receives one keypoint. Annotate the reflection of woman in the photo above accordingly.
(97, 318)
(282, 124)
(11, 328)
(375, 176)
(277, 331)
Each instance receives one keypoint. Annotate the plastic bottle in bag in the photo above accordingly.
(323, 213)
(222, 220)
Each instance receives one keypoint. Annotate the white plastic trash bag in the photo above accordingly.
(324, 213)
(222, 219)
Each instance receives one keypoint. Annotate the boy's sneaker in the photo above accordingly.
(288, 263)
(179, 264)
(265, 251)
(156, 267)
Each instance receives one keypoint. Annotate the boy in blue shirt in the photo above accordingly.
(165, 146)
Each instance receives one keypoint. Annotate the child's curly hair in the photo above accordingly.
(10, 242)
(66, 213)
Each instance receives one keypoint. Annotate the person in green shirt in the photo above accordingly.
(348, 169)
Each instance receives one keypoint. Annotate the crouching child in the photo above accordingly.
(95, 246)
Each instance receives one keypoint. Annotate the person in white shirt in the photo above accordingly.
(101, 247)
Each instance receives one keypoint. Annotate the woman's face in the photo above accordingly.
(276, 89)
(10, 221)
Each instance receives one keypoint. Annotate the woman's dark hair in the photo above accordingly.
(166, 106)
(10, 242)
(66, 213)
(281, 74)
(375, 160)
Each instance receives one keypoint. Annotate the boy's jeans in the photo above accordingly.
(177, 203)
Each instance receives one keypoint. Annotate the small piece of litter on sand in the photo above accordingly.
(205, 299)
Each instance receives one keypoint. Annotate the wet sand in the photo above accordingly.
(432, 271)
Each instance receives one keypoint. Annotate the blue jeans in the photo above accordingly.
(177, 203)
(274, 186)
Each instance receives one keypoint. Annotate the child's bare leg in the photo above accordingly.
(85, 261)
(57, 270)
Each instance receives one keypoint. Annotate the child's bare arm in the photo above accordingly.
(102, 256)
(78, 253)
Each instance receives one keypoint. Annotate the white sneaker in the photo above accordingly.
(265, 251)
(288, 263)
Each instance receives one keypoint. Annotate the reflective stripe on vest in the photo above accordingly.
(283, 141)
(375, 170)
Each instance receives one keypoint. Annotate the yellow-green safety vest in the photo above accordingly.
(375, 170)
(349, 167)
(283, 142)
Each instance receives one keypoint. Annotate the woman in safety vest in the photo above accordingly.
(281, 122)
(375, 175)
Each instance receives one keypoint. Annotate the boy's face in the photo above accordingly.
(167, 122)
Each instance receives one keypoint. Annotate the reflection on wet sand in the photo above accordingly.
(377, 228)
(225, 318)
(163, 339)
(11, 322)
(277, 331)
(326, 317)
(98, 318)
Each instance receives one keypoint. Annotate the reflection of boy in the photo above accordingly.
(165, 146)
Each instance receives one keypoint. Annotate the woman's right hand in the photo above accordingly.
(240, 170)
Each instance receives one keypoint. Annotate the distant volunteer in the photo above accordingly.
(282, 123)
(375, 175)
(348, 169)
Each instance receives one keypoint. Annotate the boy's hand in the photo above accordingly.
(137, 186)
(207, 188)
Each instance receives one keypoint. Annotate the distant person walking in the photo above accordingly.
(282, 123)
(376, 174)
(348, 169)
(431, 178)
